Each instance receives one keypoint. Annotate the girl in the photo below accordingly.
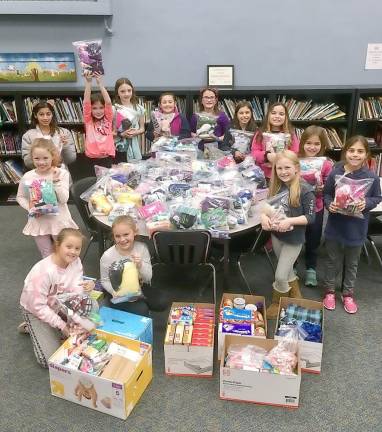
(167, 121)
(44, 125)
(313, 144)
(45, 227)
(124, 231)
(239, 143)
(208, 106)
(288, 234)
(129, 121)
(58, 273)
(345, 235)
(98, 119)
(276, 121)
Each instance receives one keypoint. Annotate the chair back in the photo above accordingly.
(182, 247)
(261, 239)
(76, 190)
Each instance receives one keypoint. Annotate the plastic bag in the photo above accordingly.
(276, 142)
(242, 140)
(184, 217)
(311, 170)
(42, 198)
(90, 55)
(101, 204)
(124, 278)
(350, 192)
(282, 358)
(277, 209)
(205, 126)
(247, 357)
(256, 175)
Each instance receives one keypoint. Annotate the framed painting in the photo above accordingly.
(37, 67)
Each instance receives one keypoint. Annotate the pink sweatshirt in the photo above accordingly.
(42, 285)
(258, 153)
(99, 140)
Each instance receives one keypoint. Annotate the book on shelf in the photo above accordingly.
(79, 140)
(8, 111)
(335, 138)
(369, 108)
(10, 143)
(66, 109)
(11, 171)
(375, 164)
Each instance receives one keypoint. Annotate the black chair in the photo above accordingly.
(262, 238)
(374, 230)
(90, 223)
(184, 248)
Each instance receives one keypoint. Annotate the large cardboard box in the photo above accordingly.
(126, 324)
(310, 352)
(189, 360)
(116, 398)
(257, 387)
(248, 299)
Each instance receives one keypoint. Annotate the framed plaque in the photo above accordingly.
(220, 75)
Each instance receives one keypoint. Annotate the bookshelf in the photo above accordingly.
(69, 112)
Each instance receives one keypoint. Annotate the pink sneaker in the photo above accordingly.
(330, 301)
(350, 305)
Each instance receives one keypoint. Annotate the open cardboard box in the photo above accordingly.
(109, 396)
(248, 299)
(189, 360)
(310, 352)
(258, 387)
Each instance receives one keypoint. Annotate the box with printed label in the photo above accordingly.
(258, 387)
(245, 329)
(126, 324)
(310, 352)
(118, 387)
(189, 340)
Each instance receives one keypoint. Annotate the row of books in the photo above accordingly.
(10, 143)
(308, 110)
(375, 164)
(79, 140)
(8, 113)
(370, 108)
(259, 107)
(336, 138)
(66, 110)
(11, 171)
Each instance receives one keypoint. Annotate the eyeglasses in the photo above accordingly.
(209, 97)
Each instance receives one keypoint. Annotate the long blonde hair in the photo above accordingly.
(276, 183)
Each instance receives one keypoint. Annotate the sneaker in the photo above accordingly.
(311, 277)
(330, 301)
(350, 305)
(23, 328)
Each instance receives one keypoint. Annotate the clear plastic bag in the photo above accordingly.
(205, 126)
(242, 140)
(246, 357)
(311, 168)
(349, 193)
(124, 278)
(277, 208)
(276, 142)
(42, 198)
(90, 55)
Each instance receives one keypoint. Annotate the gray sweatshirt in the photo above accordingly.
(112, 255)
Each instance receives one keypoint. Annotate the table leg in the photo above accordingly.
(226, 258)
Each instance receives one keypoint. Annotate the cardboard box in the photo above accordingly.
(113, 397)
(126, 324)
(257, 387)
(189, 360)
(310, 352)
(248, 299)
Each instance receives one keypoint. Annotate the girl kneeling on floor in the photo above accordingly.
(59, 273)
(288, 233)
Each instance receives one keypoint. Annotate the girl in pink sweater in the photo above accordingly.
(315, 169)
(276, 124)
(56, 274)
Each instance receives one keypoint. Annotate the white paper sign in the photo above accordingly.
(374, 56)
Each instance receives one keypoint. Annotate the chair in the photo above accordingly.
(262, 238)
(374, 229)
(184, 248)
(91, 226)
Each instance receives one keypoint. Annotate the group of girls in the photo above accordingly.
(112, 134)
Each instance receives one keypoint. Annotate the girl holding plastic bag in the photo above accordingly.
(209, 123)
(167, 120)
(350, 192)
(276, 134)
(43, 193)
(129, 122)
(59, 273)
(238, 137)
(291, 208)
(44, 125)
(315, 168)
(124, 267)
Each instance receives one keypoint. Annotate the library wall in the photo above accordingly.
(292, 42)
